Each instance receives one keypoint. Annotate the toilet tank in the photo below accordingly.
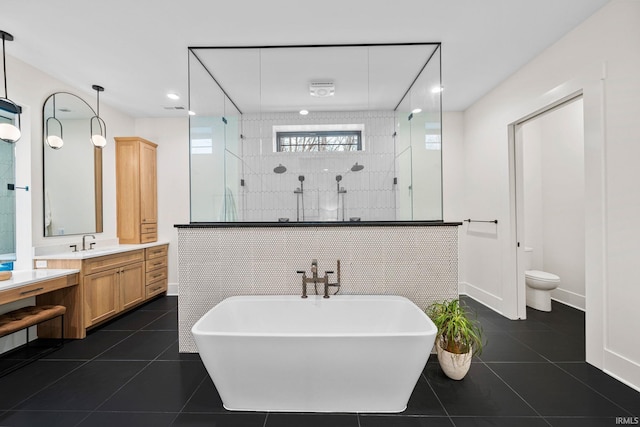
(528, 258)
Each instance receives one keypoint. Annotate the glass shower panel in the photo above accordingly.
(233, 164)
(426, 142)
(404, 164)
(244, 96)
(206, 145)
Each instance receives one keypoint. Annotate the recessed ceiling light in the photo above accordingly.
(173, 95)
(416, 110)
(437, 89)
(192, 113)
(304, 112)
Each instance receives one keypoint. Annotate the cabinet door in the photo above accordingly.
(101, 296)
(128, 191)
(148, 186)
(132, 285)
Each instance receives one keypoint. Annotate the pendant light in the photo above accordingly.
(98, 126)
(54, 141)
(9, 132)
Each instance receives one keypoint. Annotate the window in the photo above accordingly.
(201, 146)
(346, 140)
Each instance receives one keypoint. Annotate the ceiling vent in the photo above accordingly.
(322, 89)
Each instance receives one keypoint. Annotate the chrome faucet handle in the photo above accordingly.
(91, 245)
(75, 247)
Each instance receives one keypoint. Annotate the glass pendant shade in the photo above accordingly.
(55, 142)
(9, 132)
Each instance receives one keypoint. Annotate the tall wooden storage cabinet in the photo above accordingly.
(136, 190)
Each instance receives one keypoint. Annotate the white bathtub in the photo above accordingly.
(348, 353)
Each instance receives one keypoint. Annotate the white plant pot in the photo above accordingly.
(455, 366)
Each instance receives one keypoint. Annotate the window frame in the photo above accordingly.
(317, 133)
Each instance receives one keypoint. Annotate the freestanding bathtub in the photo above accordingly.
(348, 353)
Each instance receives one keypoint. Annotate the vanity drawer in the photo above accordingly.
(148, 237)
(156, 288)
(156, 275)
(156, 252)
(95, 265)
(37, 288)
(149, 228)
(155, 263)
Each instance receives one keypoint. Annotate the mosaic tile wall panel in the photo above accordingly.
(420, 263)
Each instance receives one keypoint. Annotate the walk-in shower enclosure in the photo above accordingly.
(368, 148)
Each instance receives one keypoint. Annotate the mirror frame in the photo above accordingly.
(97, 170)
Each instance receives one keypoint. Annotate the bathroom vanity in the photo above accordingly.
(113, 280)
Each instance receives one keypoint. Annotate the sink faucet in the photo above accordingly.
(315, 279)
(84, 247)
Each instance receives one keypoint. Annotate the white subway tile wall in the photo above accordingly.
(418, 262)
(267, 196)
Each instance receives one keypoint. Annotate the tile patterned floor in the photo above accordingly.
(129, 373)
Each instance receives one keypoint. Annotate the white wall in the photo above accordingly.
(453, 176)
(554, 198)
(172, 137)
(601, 58)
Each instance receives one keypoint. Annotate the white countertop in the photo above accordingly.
(96, 252)
(27, 277)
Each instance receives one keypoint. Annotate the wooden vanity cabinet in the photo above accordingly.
(156, 270)
(136, 190)
(112, 284)
(115, 283)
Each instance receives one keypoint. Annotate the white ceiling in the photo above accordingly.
(137, 49)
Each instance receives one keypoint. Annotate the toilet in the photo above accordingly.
(539, 284)
(539, 287)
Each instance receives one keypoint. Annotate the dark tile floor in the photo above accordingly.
(129, 373)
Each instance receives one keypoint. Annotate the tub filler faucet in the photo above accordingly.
(315, 279)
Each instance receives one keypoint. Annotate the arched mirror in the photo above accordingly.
(72, 168)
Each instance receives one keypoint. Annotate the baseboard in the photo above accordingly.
(172, 290)
(569, 298)
(480, 295)
(622, 369)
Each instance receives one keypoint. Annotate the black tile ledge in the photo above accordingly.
(319, 224)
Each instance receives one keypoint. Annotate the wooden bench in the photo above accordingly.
(24, 318)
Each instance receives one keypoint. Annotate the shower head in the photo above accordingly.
(280, 169)
(356, 167)
(338, 178)
(300, 178)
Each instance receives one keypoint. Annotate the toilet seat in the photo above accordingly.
(541, 276)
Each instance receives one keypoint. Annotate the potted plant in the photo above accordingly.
(459, 338)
